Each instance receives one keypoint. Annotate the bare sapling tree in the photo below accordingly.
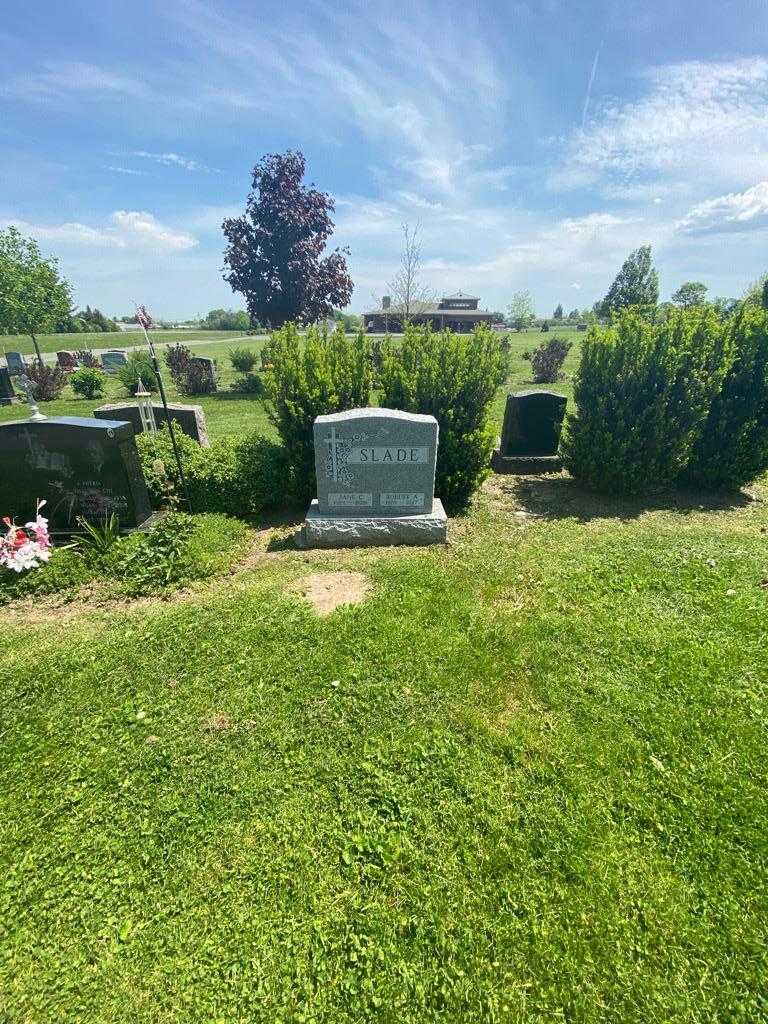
(408, 292)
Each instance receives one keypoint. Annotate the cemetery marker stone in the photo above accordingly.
(531, 433)
(189, 418)
(80, 467)
(375, 471)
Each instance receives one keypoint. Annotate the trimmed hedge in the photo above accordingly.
(454, 378)
(643, 393)
(235, 476)
(308, 377)
(733, 447)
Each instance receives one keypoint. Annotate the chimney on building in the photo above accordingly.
(386, 302)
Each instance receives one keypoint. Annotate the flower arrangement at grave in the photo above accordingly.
(27, 547)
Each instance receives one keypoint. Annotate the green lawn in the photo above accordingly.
(524, 781)
(228, 414)
(114, 339)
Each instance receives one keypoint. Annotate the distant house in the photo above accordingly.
(457, 312)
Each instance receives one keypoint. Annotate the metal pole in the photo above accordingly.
(168, 418)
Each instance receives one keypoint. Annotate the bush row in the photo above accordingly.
(450, 376)
(682, 401)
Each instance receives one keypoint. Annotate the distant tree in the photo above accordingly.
(273, 256)
(545, 326)
(558, 314)
(636, 284)
(497, 317)
(226, 320)
(521, 311)
(725, 307)
(764, 294)
(94, 320)
(33, 298)
(351, 321)
(755, 292)
(574, 314)
(408, 292)
(692, 293)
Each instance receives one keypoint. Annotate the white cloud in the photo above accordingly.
(701, 119)
(736, 211)
(169, 160)
(126, 229)
(124, 170)
(60, 78)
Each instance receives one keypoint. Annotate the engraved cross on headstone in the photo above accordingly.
(334, 443)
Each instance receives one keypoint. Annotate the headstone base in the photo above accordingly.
(526, 464)
(326, 531)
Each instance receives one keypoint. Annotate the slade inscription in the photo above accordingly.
(379, 461)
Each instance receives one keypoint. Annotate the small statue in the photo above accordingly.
(29, 388)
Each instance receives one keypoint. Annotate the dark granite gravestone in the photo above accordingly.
(190, 418)
(7, 394)
(202, 375)
(531, 433)
(80, 467)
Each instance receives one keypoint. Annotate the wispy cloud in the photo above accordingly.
(169, 160)
(126, 229)
(65, 78)
(736, 211)
(124, 170)
(704, 118)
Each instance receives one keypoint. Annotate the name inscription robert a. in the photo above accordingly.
(410, 455)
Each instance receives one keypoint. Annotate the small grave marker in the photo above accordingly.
(531, 433)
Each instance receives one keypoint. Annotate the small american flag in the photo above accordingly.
(143, 318)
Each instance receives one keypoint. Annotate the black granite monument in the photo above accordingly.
(531, 433)
(7, 394)
(81, 467)
(190, 418)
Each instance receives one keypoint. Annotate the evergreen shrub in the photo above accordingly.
(308, 377)
(454, 378)
(733, 447)
(642, 394)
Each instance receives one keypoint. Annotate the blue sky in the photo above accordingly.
(536, 143)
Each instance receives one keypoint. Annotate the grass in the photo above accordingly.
(229, 414)
(524, 781)
(113, 339)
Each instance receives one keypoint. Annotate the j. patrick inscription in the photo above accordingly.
(379, 461)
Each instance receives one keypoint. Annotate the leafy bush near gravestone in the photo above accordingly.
(138, 367)
(250, 384)
(50, 381)
(177, 359)
(88, 382)
(235, 476)
(454, 378)
(732, 449)
(547, 360)
(177, 551)
(310, 377)
(643, 392)
(242, 359)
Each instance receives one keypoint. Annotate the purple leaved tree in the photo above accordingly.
(274, 253)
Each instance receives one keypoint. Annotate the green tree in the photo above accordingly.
(558, 314)
(692, 293)
(226, 320)
(636, 284)
(521, 312)
(764, 294)
(33, 298)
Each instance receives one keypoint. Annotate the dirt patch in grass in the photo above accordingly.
(327, 591)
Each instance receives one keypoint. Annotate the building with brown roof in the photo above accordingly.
(457, 312)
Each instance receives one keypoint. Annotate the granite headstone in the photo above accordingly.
(375, 471)
(202, 375)
(7, 394)
(190, 418)
(113, 360)
(16, 363)
(80, 467)
(531, 433)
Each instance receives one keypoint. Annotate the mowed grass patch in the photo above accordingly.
(429, 806)
(230, 414)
